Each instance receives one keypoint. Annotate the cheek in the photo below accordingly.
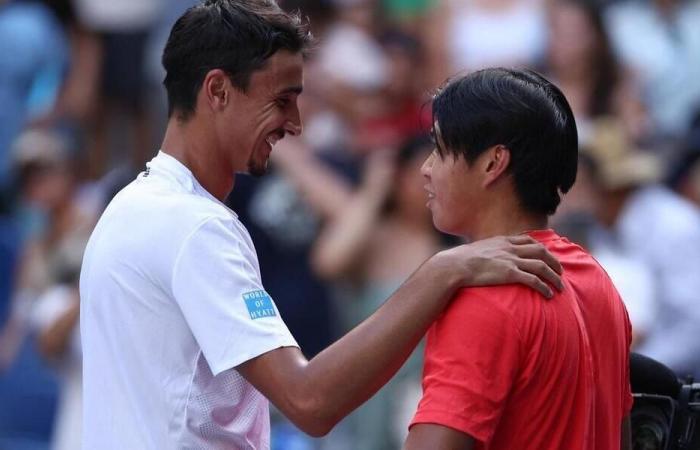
(450, 211)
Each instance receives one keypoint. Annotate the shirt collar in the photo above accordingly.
(172, 167)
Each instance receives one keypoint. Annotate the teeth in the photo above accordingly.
(272, 140)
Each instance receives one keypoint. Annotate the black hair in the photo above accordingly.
(237, 36)
(522, 111)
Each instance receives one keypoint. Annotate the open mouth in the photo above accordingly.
(274, 138)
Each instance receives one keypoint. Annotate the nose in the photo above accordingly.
(293, 125)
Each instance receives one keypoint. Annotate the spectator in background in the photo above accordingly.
(650, 222)
(465, 35)
(577, 219)
(580, 60)
(660, 41)
(381, 236)
(33, 60)
(122, 29)
(684, 177)
(55, 320)
(52, 254)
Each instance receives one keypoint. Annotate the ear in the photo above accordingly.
(216, 89)
(495, 162)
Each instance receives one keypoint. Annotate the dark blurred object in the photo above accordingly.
(684, 176)
(283, 230)
(666, 412)
(63, 9)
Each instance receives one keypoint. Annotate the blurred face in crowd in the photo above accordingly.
(410, 196)
(48, 187)
(403, 73)
(573, 38)
(453, 187)
(254, 121)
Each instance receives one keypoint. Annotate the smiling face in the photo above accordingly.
(255, 120)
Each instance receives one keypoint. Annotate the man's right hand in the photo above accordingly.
(503, 260)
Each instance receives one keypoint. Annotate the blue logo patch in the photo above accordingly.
(259, 304)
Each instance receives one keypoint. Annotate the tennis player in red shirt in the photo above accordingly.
(514, 371)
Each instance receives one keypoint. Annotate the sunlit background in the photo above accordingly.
(340, 220)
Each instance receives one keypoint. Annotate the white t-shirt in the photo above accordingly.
(171, 303)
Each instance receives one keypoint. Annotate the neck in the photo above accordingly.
(505, 219)
(193, 146)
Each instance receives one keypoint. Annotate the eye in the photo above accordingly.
(283, 102)
(436, 146)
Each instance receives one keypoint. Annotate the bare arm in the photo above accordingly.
(626, 434)
(345, 236)
(53, 340)
(325, 192)
(437, 437)
(316, 394)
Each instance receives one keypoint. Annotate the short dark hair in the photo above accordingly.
(236, 36)
(522, 111)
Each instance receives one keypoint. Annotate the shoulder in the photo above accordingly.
(166, 207)
(147, 223)
(493, 313)
(505, 301)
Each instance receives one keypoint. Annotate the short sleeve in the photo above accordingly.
(472, 359)
(217, 286)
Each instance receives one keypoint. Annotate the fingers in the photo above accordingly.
(541, 270)
(535, 283)
(521, 239)
(538, 251)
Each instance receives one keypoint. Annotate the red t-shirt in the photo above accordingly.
(516, 371)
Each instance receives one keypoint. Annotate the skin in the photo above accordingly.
(456, 190)
(226, 134)
(53, 340)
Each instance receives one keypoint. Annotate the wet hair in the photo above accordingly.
(236, 36)
(522, 111)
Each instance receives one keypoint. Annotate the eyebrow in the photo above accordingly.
(291, 90)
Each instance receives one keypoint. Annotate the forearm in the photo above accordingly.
(345, 237)
(321, 188)
(351, 370)
(316, 394)
(53, 341)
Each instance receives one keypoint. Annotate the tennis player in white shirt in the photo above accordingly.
(182, 345)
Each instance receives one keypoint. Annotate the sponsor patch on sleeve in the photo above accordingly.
(259, 304)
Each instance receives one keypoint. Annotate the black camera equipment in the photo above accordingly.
(666, 411)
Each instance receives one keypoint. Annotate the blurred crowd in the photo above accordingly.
(340, 220)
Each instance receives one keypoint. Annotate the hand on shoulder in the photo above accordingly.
(503, 260)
